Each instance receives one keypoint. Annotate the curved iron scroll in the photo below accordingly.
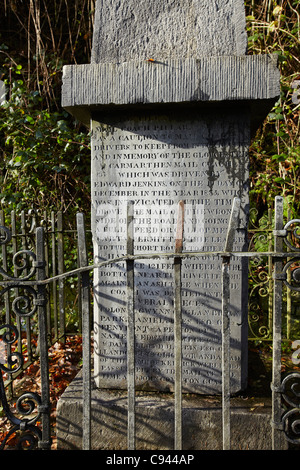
(295, 234)
(26, 405)
(291, 238)
(291, 417)
(21, 263)
(30, 406)
(290, 386)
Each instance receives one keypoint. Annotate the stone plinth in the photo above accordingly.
(202, 421)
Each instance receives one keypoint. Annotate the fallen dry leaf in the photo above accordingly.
(64, 364)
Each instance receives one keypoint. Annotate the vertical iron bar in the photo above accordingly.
(60, 263)
(270, 268)
(288, 291)
(86, 334)
(46, 235)
(16, 290)
(130, 330)
(225, 355)
(27, 320)
(277, 323)
(6, 299)
(178, 329)
(233, 225)
(41, 302)
(54, 272)
(5, 267)
(79, 301)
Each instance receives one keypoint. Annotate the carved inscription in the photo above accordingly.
(156, 163)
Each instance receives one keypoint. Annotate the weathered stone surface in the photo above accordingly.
(202, 421)
(142, 29)
(176, 127)
(156, 160)
(250, 79)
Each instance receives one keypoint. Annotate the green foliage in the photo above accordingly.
(45, 156)
(274, 28)
(45, 161)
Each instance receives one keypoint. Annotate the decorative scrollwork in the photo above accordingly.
(15, 360)
(18, 278)
(21, 263)
(255, 317)
(11, 335)
(291, 425)
(5, 235)
(25, 304)
(294, 282)
(33, 213)
(290, 389)
(294, 237)
(260, 283)
(27, 441)
(26, 405)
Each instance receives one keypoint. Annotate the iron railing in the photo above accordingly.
(34, 282)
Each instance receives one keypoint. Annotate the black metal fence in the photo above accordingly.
(22, 338)
(63, 306)
(34, 299)
(260, 305)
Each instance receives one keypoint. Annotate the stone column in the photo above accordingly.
(172, 100)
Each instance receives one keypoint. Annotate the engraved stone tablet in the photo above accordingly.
(156, 160)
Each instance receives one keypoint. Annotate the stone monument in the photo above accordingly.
(172, 99)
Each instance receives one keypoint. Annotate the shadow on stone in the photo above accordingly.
(201, 416)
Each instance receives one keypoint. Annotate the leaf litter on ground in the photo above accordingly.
(64, 363)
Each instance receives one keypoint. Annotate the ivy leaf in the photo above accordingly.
(280, 158)
(279, 180)
(275, 116)
(38, 134)
(29, 119)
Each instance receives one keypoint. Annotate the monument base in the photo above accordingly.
(201, 416)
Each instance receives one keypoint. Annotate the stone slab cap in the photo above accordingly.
(253, 80)
(150, 52)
